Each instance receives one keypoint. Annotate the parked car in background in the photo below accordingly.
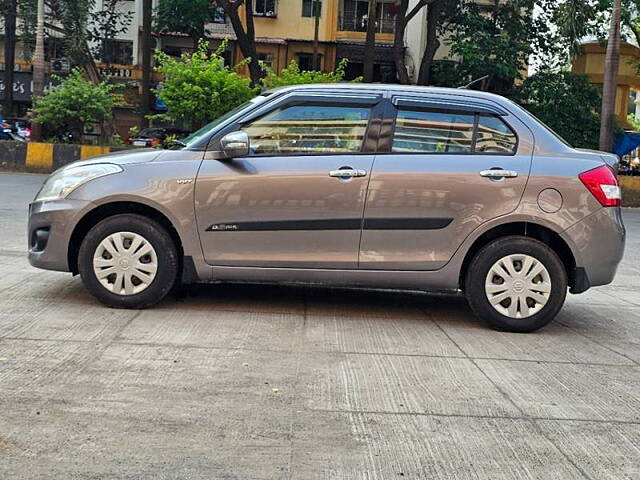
(345, 185)
(156, 136)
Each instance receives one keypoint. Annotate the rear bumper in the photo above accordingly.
(49, 232)
(598, 245)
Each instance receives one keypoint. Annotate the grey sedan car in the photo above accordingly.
(345, 185)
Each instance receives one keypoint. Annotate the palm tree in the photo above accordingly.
(610, 86)
(145, 108)
(11, 10)
(38, 68)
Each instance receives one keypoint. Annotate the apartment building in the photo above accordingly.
(284, 33)
(591, 62)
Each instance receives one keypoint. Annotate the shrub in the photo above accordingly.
(292, 75)
(75, 103)
(199, 88)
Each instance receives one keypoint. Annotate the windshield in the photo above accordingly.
(196, 138)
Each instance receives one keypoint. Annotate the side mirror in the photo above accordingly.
(235, 144)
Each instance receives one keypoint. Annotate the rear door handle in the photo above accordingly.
(498, 173)
(347, 173)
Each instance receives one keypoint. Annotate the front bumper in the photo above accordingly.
(51, 225)
(598, 245)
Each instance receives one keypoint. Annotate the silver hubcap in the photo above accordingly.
(125, 263)
(518, 286)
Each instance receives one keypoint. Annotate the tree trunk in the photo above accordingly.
(434, 13)
(612, 63)
(246, 38)
(145, 100)
(317, 7)
(9, 54)
(370, 42)
(38, 69)
(398, 43)
(90, 68)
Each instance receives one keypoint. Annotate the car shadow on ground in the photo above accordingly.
(318, 299)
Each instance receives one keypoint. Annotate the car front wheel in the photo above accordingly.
(516, 284)
(128, 261)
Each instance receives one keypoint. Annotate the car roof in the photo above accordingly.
(389, 87)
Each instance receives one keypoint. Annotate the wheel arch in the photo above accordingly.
(531, 230)
(101, 212)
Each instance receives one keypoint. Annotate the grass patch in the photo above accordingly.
(630, 191)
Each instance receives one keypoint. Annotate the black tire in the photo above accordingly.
(484, 260)
(160, 240)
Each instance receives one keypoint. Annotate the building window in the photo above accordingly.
(309, 129)
(305, 62)
(266, 8)
(266, 58)
(54, 48)
(117, 51)
(219, 16)
(308, 7)
(353, 16)
(227, 55)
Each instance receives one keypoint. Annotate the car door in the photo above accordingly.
(297, 199)
(450, 164)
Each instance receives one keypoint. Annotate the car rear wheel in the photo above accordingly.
(128, 261)
(516, 283)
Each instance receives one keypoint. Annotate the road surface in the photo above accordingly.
(254, 382)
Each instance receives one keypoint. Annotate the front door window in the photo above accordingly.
(309, 129)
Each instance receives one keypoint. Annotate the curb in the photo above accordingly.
(45, 157)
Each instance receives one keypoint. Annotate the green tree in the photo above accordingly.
(198, 88)
(27, 18)
(75, 103)
(184, 16)
(106, 24)
(566, 102)
(496, 40)
(292, 75)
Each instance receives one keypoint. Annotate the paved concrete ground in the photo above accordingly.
(241, 382)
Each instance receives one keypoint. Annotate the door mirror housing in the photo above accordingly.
(235, 144)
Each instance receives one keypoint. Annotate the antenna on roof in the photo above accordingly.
(473, 82)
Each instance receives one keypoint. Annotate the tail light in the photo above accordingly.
(603, 184)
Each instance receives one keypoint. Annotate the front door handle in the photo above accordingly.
(498, 173)
(347, 173)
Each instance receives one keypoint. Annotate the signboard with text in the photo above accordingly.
(23, 86)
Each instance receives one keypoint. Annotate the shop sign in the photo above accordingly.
(23, 86)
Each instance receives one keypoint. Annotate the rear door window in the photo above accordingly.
(432, 131)
(442, 131)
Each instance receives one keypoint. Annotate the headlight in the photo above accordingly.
(62, 183)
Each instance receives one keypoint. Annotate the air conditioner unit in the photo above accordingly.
(59, 65)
